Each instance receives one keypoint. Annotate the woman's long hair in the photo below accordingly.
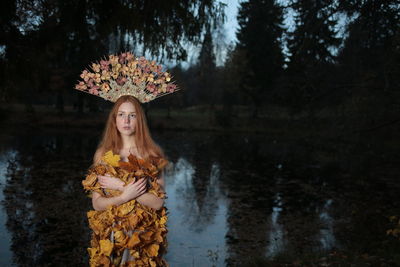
(111, 139)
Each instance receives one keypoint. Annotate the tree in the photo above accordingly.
(311, 46)
(370, 60)
(45, 37)
(259, 40)
(206, 70)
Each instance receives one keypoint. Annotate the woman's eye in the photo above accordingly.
(132, 115)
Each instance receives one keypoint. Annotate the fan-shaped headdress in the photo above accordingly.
(125, 74)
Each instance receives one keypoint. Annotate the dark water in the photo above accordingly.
(233, 200)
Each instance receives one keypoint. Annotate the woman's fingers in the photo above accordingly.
(140, 181)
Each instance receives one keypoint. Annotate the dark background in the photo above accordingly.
(304, 118)
(338, 65)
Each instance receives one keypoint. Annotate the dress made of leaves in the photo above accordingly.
(131, 234)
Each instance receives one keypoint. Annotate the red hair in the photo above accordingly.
(111, 139)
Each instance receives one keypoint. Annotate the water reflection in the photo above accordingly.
(196, 225)
(276, 240)
(327, 237)
(231, 199)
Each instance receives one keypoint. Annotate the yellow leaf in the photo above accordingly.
(120, 238)
(92, 252)
(90, 180)
(111, 159)
(152, 263)
(163, 220)
(152, 250)
(135, 254)
(106, 247)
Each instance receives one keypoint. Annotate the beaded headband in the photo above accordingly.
(125, 74)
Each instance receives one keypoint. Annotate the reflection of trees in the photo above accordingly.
(45, 203)
(246, 175)
(200, 199)
(287, 197)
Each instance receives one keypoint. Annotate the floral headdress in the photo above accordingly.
(125, 74)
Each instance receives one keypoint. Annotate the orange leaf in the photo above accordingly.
(134, 240)
(147, 236)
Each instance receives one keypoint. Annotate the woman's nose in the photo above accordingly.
(126, 119)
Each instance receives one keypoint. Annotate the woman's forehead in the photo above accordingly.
(127, 107)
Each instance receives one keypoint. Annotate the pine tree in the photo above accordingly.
(259, 39)
(314, 38)
(311, 61)
(206, 70)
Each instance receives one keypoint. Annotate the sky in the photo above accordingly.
(227, 36)
(220, 41)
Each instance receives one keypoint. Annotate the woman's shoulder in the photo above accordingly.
(98, 155)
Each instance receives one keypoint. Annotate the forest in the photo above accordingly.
(334, 61)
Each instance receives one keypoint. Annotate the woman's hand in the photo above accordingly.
(134, 189)
(109, 182)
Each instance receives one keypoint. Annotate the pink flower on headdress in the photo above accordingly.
(121, 58)
(129, 56)
(142, 61)
(121, 81)
(94, 90)
(90, 83)
(81, 86)
(171, 87)
(104, 65)
(151, 87)
(146, 69)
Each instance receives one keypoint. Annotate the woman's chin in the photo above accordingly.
(127, 132)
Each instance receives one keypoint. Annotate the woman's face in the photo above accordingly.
(126, 119)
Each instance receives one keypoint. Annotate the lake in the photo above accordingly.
(234, 199)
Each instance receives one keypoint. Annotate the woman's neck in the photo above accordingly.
(128, 142)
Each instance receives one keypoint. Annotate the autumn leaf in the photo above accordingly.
(158, 236)
(106, 247)
(146, 226)
(152, 250)
(92, 251)
(163, 220)
(120, 238)
(100, 169)
(135, 254)
(89, 181)
(111, 159)
(134, 240)
(147, 236)
(152, 263)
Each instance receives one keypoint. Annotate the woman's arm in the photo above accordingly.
(151, 200)
(101, 203)
(130, 191)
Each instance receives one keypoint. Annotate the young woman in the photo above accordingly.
(127, 186)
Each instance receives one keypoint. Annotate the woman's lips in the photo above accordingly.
(127, 128)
